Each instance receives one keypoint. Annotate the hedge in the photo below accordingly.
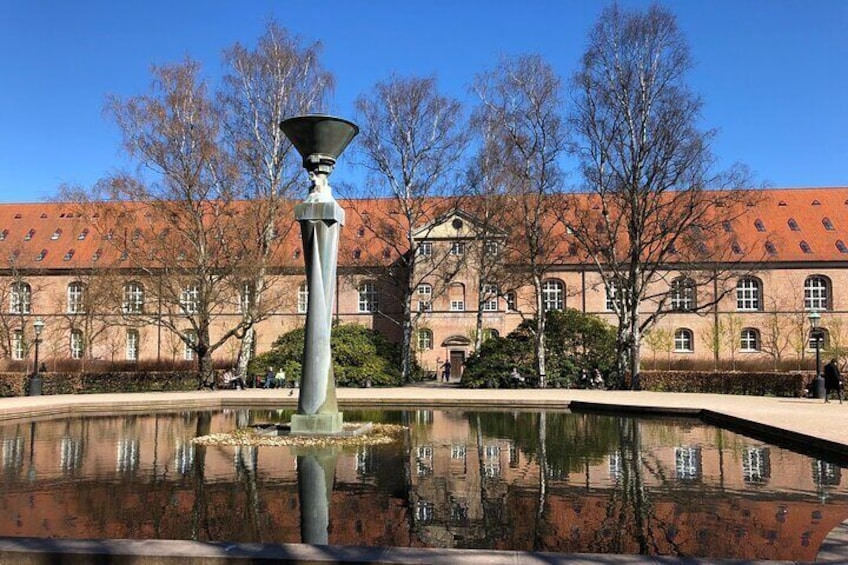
(728, 382)
(15, 384)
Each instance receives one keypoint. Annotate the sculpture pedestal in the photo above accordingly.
(316, 424)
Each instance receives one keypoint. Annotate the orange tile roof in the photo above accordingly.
(53, 236)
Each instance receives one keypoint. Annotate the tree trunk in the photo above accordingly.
(406, 345)
(540, 334)
(246, 350)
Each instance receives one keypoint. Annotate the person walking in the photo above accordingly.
(832, 381)
(446, 371)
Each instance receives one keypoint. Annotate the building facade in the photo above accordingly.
(791, 247)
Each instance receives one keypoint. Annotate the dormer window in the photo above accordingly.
(759, 225)
(357, 254)
(771, 248)
(361, 231)
(793, 225)
(297, 253)
(782, 203)
(41, 255)
(29, 235)
(828, 225)
(737, 250)
(727, 226)
(805, 247)
(97, 255)
(815, 203)
(840, 245)
(69, 254)
(108, 235)
(18, 216)
(56, 234)
(82, 234)
(43, 215)
(3, 234)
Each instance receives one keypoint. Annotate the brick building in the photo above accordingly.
(787, 253)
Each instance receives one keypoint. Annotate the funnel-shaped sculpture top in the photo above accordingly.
(318, 138)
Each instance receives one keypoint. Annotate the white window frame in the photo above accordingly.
(190, 299)
(511, 302)
(76, 298)
(748, 291)
(457, 305)
(425, 297)
(684, 340)
(20, 298)
(749, 340)
(425, 249)
(18, 349)
(133, 298)
(490, 248)
(77, 344)
(246, 297)
(425, 339)
(816, 293)
(682, 295)
(367, 298)
(302, 298)
(189, 339)
(615, 295)
(457, 248)
(490, 303)
(553, 295)
(132, 345)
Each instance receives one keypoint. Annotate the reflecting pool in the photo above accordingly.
(551, 481)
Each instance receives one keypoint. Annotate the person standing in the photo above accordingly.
(269, 378)
(446, 371)
(832, 381)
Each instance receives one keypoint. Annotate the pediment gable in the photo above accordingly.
(453, 226)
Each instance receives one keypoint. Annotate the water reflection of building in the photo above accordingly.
(457, 480)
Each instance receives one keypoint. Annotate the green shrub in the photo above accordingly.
(727, 382)
(574, 341)
(359, 354)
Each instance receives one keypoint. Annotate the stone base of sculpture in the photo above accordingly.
(316, 424)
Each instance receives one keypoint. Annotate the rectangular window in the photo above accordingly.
(457, 305)
(302, 299)
(457, 248)
(491, 248)
(190, 339)
(18, 348)
(189, 300)
(490, 298)
(77, 344)
(425, 249)
(132, 345)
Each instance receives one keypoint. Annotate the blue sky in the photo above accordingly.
(773, 73)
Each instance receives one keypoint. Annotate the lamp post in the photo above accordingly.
(320, 140)
(35, 381)
(815, 333)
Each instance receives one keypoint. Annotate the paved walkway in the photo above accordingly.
(805, 423)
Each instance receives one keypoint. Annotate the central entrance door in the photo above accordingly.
(457, 359)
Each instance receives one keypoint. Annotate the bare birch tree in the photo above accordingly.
(178, 228)
(412, 139)
(521, 100)
(648, 169)
(279, 78)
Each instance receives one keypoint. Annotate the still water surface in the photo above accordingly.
(551, 481)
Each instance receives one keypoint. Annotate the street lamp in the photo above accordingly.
(816, 334)
(35, 381)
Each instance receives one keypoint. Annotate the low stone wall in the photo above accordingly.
(15, 384)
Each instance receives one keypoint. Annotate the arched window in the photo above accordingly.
(683, 342)
(76, 298)
(511, 302)
(132, 345)
(302, 298)
(368, 297)
(456, 295)
(805, 247)
(18, 349)
(77, 345)
(683, 294)
(20, 298)
(793, 225)
(425, 339)
(553, 295)
(189, 341)
(425, 298)
(816, 293)
(759, 225)
(749, 340)
(490, 333)
(133, 298)
(748, 291)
